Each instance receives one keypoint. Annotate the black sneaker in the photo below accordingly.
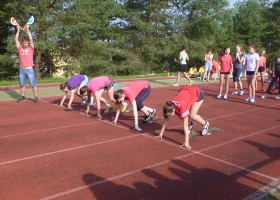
(21, 99)
(147, 117)
(191, 125)
(153, 113)
(36, 100)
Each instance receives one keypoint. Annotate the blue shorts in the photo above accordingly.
(85, 80)
(208, 66)
(27, 73)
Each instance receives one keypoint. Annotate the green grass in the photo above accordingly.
(61, 80)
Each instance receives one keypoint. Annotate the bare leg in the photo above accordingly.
(221, 83)
(178, 77)
(22, 90)
(193, 113)
(227, 83)
(35, 91)
(262, 79)
(146, 110)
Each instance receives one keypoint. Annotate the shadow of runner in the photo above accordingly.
(13, 94)
(102, 188)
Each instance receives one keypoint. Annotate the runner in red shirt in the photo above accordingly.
(136, 92)
(186, 105)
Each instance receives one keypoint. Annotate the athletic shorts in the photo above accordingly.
(224, 72)
(27, 73)
(250, 72)
(182, 68)
(85, 80)
(201, 95)
(110, 85)
(261, 69)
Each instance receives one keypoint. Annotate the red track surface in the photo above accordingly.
(48, 152)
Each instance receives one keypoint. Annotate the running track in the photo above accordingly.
(50, 153)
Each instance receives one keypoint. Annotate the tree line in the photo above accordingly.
(128, 37)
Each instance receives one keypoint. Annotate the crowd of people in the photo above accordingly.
(185, 104)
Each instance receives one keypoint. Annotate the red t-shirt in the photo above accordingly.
(214, 67)
(183, 101)
(262, 61)
(225, 61)
(131, 90)
(25, 56)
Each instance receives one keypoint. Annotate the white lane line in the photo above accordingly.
(65, 150)
(191, 152)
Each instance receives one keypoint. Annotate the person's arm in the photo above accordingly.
(163, 126)
(187, 57)
(257, 67)
(205, 58)
(16, 37)
(31, 42)
(135, 113)
(117, 115)
(186, 131)
(211, 57)
(63, 98)
(72, 93)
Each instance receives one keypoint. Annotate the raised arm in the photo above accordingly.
(16, 37)
(31, 42)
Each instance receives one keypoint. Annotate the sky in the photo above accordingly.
(232, 2)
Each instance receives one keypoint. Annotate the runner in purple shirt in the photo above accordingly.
(73, 84)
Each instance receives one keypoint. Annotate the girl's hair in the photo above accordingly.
(63, 85)
(117, 95)
(240, 46)
(209, 50)
(223, 51)
(261, 50)
(168, 108)
(85, 89)
(184, 47)
(253, 46)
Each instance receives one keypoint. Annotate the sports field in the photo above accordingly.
(48, 152)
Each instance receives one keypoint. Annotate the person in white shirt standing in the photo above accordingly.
(251, 68)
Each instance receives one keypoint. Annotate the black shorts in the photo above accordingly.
(201, 95)
(250, 72)
(110, 85)
(182, 68)
(261, 69)
(224, 72)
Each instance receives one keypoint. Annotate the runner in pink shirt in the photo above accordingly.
(97, 86)
(136, 92)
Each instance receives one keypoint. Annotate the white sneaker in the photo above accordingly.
(277, 97)
(263, 96)
(241, 92)
(219, 96)
(252, 100)
(248, 99)
(191, 82)
(225, 96)
(235, 92)
(205, 128)
(176, 84)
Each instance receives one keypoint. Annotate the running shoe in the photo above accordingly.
(21, 99)
(252, 100)
(277, 97)
(235, 92)
(36, 100)
(205, 128)
(248, 99)
(219, 96)
(225, 96)
(176, 84)
(191, 125)
(263, 96)
(241, 92)
(147, 117)
(153, 113)
(107, 109)
(191, 82)
(124, 106)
